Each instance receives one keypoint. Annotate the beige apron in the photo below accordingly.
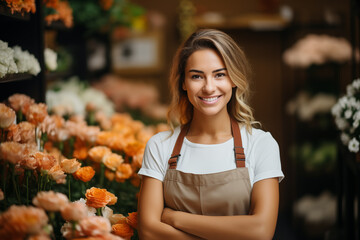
(216, 194)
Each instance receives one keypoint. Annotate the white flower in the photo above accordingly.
(65, 99)
(356, 83)
(350, 90)
(345, 138)
(336, 110)
(341, 123)
(348, 114)
(7, 62)
(26, 62)
(353, 145)
(50, 59)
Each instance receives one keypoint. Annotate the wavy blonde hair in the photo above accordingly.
(181, 110)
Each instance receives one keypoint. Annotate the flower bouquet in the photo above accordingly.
(347, 116)
(47, 162)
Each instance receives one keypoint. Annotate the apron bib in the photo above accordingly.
(216, 194)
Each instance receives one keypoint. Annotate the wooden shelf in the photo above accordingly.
(16, 77)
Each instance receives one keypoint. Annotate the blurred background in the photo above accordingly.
(304, 55)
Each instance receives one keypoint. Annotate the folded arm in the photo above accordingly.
(259, 224)
(151, 206)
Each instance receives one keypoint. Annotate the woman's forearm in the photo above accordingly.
(223, 227)
(159, 230)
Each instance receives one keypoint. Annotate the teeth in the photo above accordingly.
(209, 99)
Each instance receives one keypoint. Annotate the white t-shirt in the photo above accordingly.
(262, 157)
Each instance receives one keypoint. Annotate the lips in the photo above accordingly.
(210, 99)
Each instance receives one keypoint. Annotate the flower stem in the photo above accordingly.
(4, 172)
(15, 183)
(69, 185)
(27, 175)
(99, 211)
(102, 173)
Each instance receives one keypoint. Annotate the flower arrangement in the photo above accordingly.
(50, 57)
(317, 50)
(347, 116)
(15, 60)
(71, 97)
(58, 10)
(21, 6)
(66, 176)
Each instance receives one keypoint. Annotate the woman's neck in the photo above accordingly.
(210, 130)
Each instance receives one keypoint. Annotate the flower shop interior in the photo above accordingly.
(88, 84)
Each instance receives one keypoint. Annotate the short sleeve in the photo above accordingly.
(153, 164)
(267, 158)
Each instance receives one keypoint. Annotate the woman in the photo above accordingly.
(215, 177)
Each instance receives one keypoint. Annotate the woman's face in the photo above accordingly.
(208, 85)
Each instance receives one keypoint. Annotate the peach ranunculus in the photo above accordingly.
(13, 152)
(110, 175)
(82, 131)
(97, 197)
(29, 163)
(132, 219)
(123, 230)
(50, 201)
(103, 120)
(134, 148)
(7, 116)
(20, 102)
(113, 161)
(69, 232)
(123, 172)
(45, 160)
(114, 140)
(74, 211)
(84, 174)
(19, 221)
(24, 132)
(97, 153)
(95, 226)
(117, 218)
(70, 165)
(57, 174)
(37, 113)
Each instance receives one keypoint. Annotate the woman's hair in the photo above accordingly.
(238, 68)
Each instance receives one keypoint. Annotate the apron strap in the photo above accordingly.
(238, 148)
(176, 151)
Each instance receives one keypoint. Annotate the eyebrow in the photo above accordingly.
(198, 71)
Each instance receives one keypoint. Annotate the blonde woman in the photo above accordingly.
(215, 176)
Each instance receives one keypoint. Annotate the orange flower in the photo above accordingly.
(117, 218)
(50, 201)
(20, 102)
(123, 172)
(95, 226)
(97, 153)
(106, 4)
(24, 132)
(134, 148)
(63, 13)
(57, 174)
(36, 113)
(132, 219)
(110, 175)
(114, 140)
(29, 163)
(123, 230)
(135, 180)
(74, 211)
(7, 116)
(80, 151)
(84, 174)
(21, 221)
(112, 161)
(103, 120)
(97, 197)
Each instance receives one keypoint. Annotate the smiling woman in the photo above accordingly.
(216, 176)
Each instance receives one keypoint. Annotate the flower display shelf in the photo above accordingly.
(15, 77)
(5, 11)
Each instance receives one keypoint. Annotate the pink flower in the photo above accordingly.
(95, 226)
(24, 132)
(36, 113)
(50, 201)
(7, 116)
(20, 221)
(20, 102)
(74, 211)
(70, 165)
(13, 152)
(57, 174)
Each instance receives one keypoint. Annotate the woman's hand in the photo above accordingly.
(168, 216)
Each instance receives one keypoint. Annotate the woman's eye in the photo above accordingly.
(219, 75)
(195, 76)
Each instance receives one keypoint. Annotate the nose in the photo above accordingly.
(209, 85)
